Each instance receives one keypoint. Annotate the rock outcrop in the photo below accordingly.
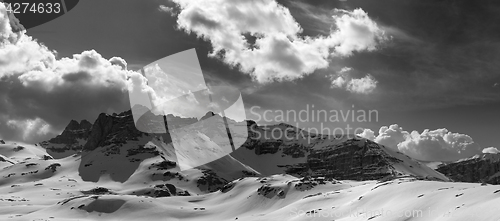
(108, 129)
(354, 159)
(73, 132)
(70, 141)
(484, 168)
(119, 140)
(290, 150)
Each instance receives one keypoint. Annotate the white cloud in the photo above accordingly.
(368, 134)
(391, 136)
(338, 82)
(363, 85)
(279, 52)
(492, 150)
(40, 94)
(430, 145)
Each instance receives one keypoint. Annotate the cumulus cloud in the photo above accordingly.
(338, 82)
(492, 150)
(263, 39)
(40, 93)
(430, 145)
(391, 136)
(342, 79)
(363, 85)
(368, 134)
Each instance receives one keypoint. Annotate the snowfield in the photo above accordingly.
(34, 187)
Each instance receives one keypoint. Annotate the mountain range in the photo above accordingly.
(111, 170)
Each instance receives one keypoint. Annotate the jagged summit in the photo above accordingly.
(74, 125)
(275, 149)
(207, 115)
(481, 168)
(70, 141)
(363, 159)
(72, 132)
(112, 129)
(269, 149)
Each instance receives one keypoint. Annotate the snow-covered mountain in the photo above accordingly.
(121, 173)
(286, 149)
(481, 168)
(267, 150)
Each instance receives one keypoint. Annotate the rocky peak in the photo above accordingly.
(70, 141)
(483, 168)
(74, 125)
(207, 115)
(339, 157)
(356, 159)
(73, 132)
(109, 129)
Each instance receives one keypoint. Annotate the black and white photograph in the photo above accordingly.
(250, 110)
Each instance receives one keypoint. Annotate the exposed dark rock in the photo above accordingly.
(354, 159)
(116, 129)
(53, 167)
(72, 132)
(98, 191)
(484, 168)
(70, 141)
(164, 165)
(18, 148)
(207, 115)
(210, 181)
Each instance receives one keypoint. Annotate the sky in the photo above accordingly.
(428, 68)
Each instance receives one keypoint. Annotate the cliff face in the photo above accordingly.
(70, 141)
(117, 148)
(73, 132)
(108, 129)
(355, 159)
(484, 168)
(116, 140)
(285, 149)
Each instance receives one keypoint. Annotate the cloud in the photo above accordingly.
(368, 134)
(492, 150)
(391, 136)
(40, 93)
(430, 145)
(263, 39)
(338, 82)
(363, 85)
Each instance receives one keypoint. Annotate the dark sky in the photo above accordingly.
(439, 69)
